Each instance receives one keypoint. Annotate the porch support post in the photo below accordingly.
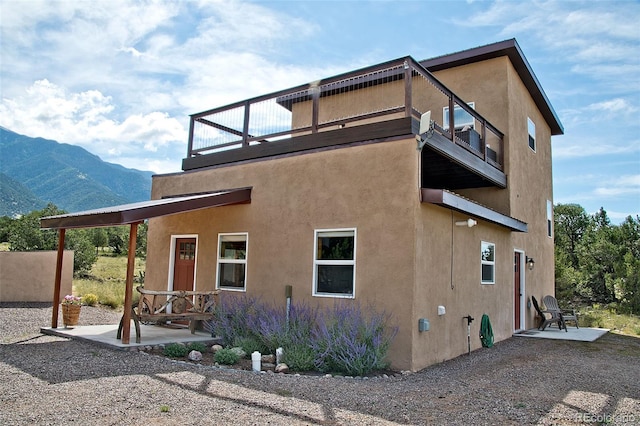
(58, 279)
(128, 293)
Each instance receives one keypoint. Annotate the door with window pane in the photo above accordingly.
(184, 268)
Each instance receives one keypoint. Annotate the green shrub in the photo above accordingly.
(239, 351)
(197, 346)
(299, 357)
(226, 357)
(249, 345)
(111, 301)
(176, 350)
(90, 299)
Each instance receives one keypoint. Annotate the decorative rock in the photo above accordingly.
(239, 351)
(195, 356)
(148, 348)
(270, 358)
(181, 344)
(268, 365)
(215, 348)
(282, 368)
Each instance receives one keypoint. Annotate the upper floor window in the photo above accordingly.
(232, 261)
(532, 133)
(488, 261)
(549, 218)
(461, 118)
(334, 263)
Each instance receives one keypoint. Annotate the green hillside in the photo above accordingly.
(67, 175)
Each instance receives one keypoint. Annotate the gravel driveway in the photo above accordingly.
(51, 380)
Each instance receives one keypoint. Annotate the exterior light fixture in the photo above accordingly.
(530, 262)
(469, 222)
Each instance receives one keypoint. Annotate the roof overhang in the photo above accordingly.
(461, 204)
(511, 49)
(136, 212)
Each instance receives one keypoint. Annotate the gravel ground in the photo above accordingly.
(51, 380)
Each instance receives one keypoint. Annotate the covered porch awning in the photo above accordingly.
(136, 212)
(132, 214)
(450, 200)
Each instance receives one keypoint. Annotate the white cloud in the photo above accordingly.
(621, 186)
(613, 105)
(86, 119)
(586, 148)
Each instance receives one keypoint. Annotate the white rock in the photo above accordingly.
(195, 356)
(239, 351)
(215, 348)
(282, 368)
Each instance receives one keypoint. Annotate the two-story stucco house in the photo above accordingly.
(330, 188)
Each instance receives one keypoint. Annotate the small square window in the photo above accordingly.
(487, 256)
(532, 134)
(334, 265)
(232, 261)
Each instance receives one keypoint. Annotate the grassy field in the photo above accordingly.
(606, 317)
(108, 279)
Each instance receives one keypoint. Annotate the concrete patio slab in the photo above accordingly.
(151, 335)
(572, 333)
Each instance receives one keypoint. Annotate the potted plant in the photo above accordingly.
(71, 310)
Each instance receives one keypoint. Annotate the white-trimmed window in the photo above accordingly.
(488, 260)
(232, 261)
(549, 219)
(461, 118)
(531, 127)
(334, 263)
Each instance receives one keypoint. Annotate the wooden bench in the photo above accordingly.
(153, 307)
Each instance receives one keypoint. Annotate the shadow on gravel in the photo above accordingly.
(64, 360)
(518, 381)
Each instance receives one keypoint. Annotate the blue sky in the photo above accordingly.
(120, 78)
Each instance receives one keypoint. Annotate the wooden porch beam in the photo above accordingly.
(58, 280)
(128, 293)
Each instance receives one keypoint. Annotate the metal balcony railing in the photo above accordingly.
(394, 89)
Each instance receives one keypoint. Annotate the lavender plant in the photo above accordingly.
(350, 342)
(343, 339)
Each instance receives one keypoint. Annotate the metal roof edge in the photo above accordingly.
(512, 50)
(451, 200)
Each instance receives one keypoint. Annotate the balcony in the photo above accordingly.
(374, 103)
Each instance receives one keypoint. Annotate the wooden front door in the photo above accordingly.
(517, 290)
(184, 267)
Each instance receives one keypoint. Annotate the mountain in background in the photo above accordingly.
(37, 171)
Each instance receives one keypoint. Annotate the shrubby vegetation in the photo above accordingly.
(595, 261)
(343, 339)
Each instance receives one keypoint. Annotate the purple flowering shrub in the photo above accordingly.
(346, 340)
(343, 339)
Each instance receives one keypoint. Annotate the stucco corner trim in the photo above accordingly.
(450, 200)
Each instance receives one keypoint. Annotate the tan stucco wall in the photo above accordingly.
(448, 274)
(530, 177)
(30, 276)
(372, 188)
(502, 98)
(411, 258)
